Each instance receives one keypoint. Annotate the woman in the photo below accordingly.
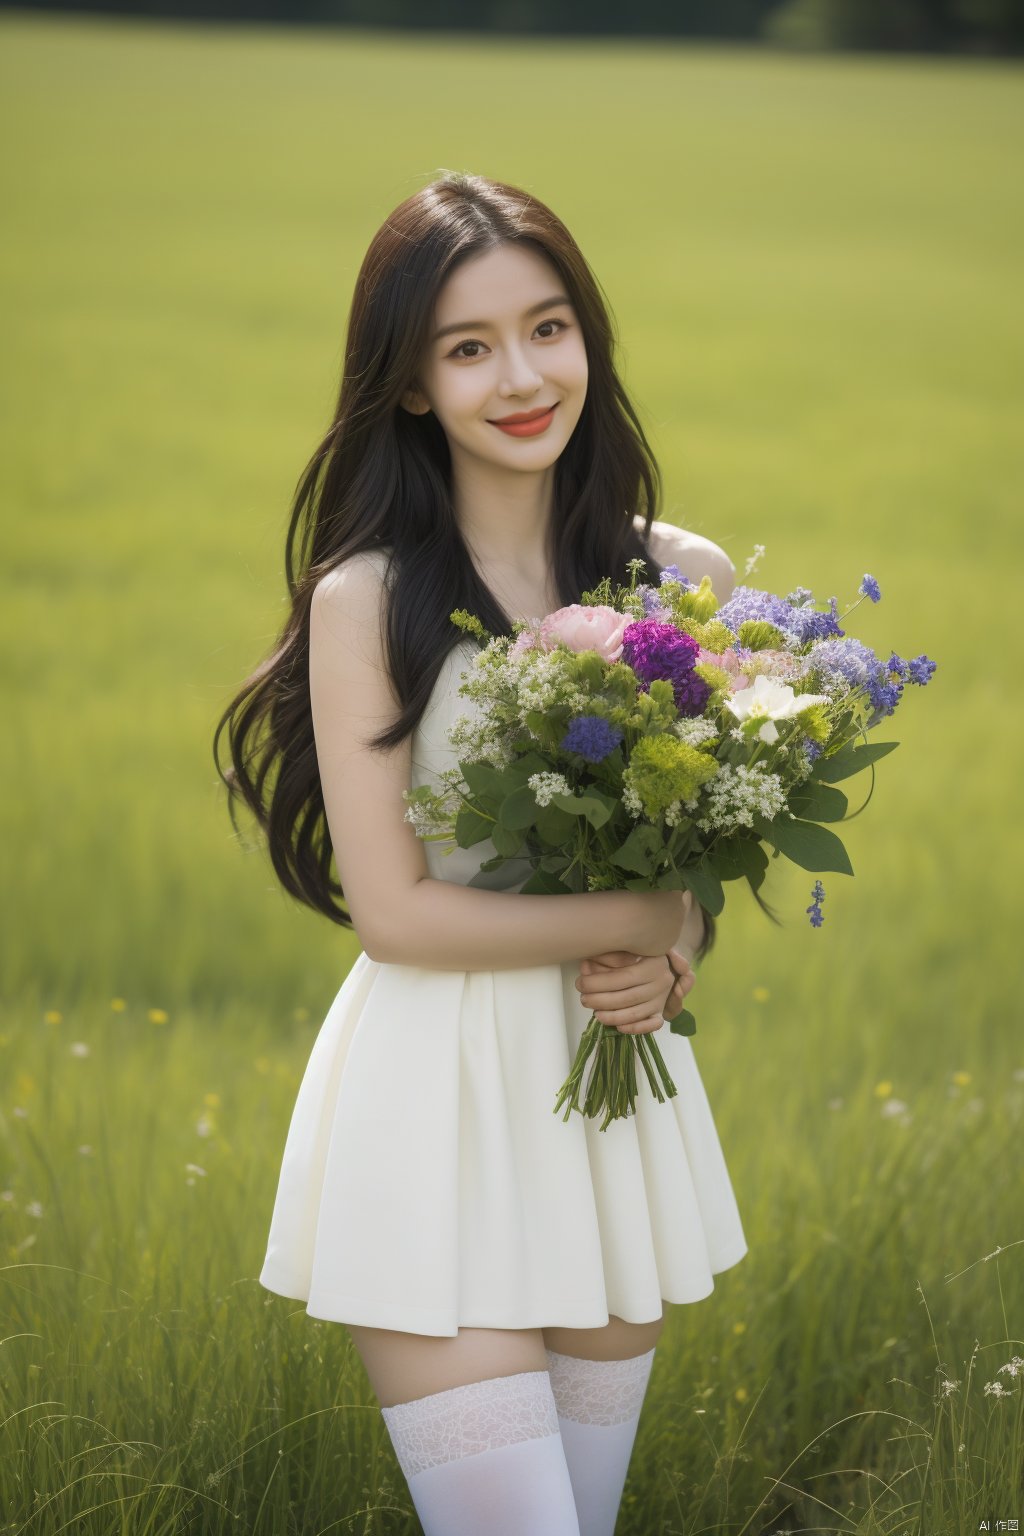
(502, 1272)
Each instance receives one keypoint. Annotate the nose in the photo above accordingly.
(520, 376)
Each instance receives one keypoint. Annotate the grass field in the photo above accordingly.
(814, 264)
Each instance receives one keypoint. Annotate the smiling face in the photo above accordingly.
(512, 345)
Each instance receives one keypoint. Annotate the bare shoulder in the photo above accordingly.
(695, 555)
(354, 581)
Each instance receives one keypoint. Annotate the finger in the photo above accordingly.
(620, 1016)
(627, 997)
(643, 1026)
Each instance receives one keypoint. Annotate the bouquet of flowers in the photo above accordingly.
(651, 739)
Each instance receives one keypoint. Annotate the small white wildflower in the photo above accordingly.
(995, 1389)
(694, 729)
(20, 1111)
(948, 1387)
(736, 793)
(33, 1208)
(7, 1195)
(754, 558)
(673, 813)
(546, 785)
(79, 1048)
(204, 1126)
(631, 800)
(195, 1168)
(737, 734)
(835, 1103)
(1014, 1367)
(892, 1107)
(85, 1150)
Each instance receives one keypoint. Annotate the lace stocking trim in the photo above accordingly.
(464, 1421)
(599, 1391)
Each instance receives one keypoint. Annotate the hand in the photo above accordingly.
(635, 994)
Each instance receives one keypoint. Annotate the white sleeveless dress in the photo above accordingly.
(427, 1184)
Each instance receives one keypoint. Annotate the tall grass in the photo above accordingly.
(812, 262)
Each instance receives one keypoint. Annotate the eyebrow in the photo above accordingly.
(483, 325)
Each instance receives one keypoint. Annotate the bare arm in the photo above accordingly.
(401, 914)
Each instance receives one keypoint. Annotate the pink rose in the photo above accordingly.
(585, 628)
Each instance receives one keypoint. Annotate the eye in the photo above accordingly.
(562, 325)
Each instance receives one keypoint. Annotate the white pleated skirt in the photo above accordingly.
(428, 1185)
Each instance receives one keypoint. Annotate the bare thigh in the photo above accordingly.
(617, 1340)
(404, 1366)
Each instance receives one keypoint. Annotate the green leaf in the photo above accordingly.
(595, 807)
(471, 827)
(705, 885)
(506, 841)
(850, 760)
(818, 802)
(806, 843)
(640, 851)
(543, 883)
(684, 1023)
(554, 826)
(519, 810)
(484, 780)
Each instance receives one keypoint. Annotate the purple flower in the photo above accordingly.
(869, 588)
(921, 669)
(813, 748)
(817, 897)
(656, 650)
(673, 573)
(798, 623)
(898, 665)
(592, 737)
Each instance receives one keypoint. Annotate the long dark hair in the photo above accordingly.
(381, 479)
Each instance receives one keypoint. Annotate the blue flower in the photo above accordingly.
(817, 916)
(898, 665)
(869, 588)
(817, 897)
(813, 748)
(592, 737)
(921, 669)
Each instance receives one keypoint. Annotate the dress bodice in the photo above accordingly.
(431, 755)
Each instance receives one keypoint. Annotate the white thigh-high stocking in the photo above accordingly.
(486, 1458)
(599, 1403)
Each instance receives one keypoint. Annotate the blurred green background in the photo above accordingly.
(814, 267)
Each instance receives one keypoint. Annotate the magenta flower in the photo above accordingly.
(656, 650)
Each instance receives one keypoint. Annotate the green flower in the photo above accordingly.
(663, 769)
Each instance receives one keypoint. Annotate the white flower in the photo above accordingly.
(546, 785)
(79, 1048)
(736, 793)
(769, 700)
(694, 729)
(33, 1208)
(946, 1387)
(995, 1389)
(1014, 1367)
